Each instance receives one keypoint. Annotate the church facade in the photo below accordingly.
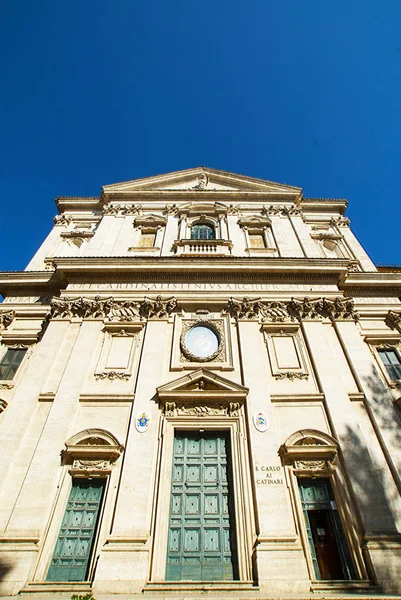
(200, 382)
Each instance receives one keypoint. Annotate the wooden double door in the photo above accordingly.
(201, 537)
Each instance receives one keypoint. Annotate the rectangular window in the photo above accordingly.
(257, 240)
(10, 362)
(392, 362)
(147, 240)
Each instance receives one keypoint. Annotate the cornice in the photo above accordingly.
(77, 203)
(91, 264)
(197, 196)
(373, 280)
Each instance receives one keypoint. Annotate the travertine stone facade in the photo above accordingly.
(211, 363)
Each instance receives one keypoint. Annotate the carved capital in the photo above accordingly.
(340, 308)
(306, 308)
(246, 308)
(340, 221)
(62, 220)
(280, 209)
(110, 309)
(157, 308)
(6, 318)
(122, 209)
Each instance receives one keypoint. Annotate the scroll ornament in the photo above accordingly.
(6, 318)
(110, 309)
(281, 312)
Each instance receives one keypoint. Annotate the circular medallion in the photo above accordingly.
(201, 343)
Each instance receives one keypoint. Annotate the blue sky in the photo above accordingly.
(304, 93)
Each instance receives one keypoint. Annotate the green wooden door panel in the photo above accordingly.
(317, 495)
(74, 544)
(201, 529)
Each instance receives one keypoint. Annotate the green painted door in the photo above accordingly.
(73, 550)
(201, 538)
(330, 555)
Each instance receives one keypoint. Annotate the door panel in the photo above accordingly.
(330, 555)
(73, 549)
(201, 540)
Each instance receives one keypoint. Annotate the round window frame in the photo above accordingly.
(193, 357)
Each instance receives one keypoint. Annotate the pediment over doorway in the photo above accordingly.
(202, 393)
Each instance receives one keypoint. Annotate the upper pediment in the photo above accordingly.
(201, 180)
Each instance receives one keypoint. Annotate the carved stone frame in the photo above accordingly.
(286, 330)
(110, 331)
(218, 405)
(182, 358)
(393, 343)
(313, 454)
(91, 453)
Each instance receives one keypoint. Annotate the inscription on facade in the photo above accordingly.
(269, 475)
(206, 286)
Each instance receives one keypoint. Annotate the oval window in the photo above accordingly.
(202, 341)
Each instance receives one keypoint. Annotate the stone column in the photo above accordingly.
(124, 562)
(277, 538)
(371, 501)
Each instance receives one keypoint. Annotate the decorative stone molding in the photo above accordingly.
(280, 209)
(201, 182)
(6, 386)
(91, 452)
(113, 375)
(306, 308)
(171, 210)
(275, 312)
(202, 393)
(3, 405)
(280, 312)
(254, 221)
(232, 210)
(310, 451)
(157, 308)
(339, 308)
(62, 220)
(340, 221)
(150, 221)
(291, 375)
(6, 318)
(247, 308)
(216, 326)
(394, 319)
(174, 409)
(110, 309)
(122, 210)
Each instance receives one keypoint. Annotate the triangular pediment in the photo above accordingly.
(201, 384)
(200, 179)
